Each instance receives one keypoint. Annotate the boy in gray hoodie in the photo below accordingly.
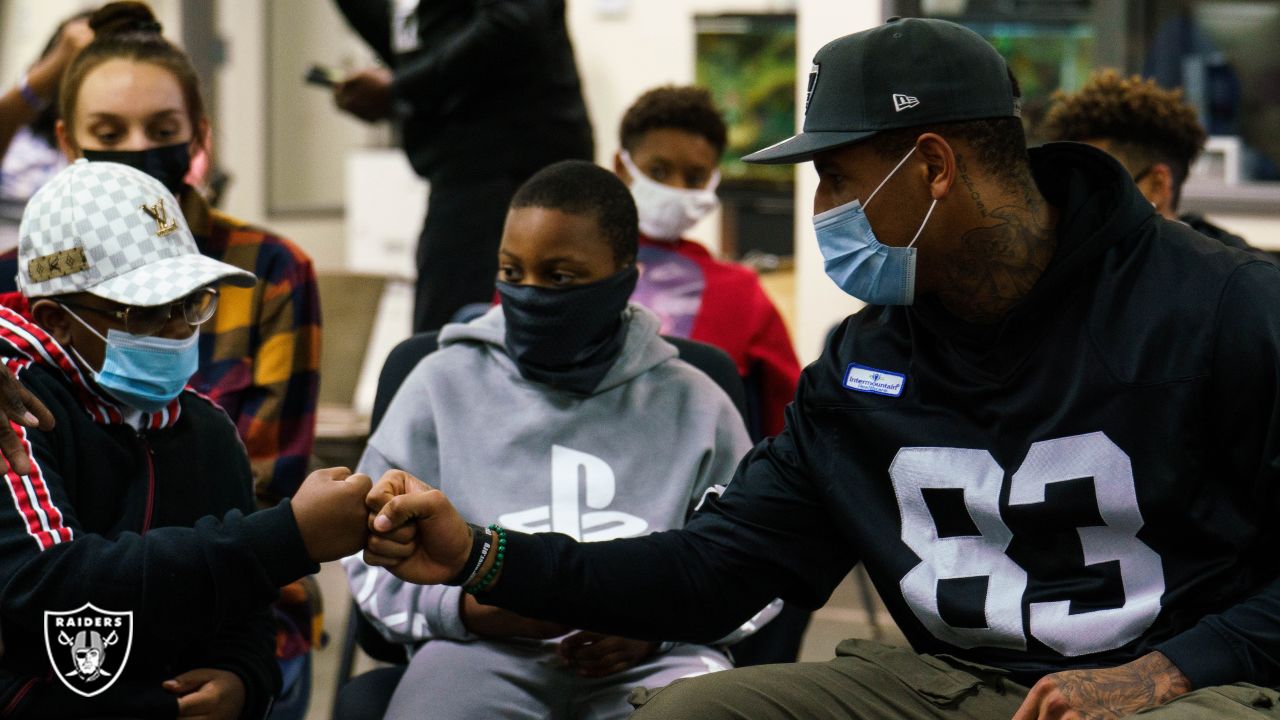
(561, 410)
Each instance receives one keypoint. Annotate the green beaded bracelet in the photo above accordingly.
(492, 575)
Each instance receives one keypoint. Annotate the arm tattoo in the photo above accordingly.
(1118, 692)
(996, 265)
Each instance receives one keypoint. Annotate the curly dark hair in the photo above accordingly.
(999, 145)
(1145, 123)
(579, 187)
(687, 108)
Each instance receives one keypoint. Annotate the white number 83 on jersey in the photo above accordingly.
(976, 472)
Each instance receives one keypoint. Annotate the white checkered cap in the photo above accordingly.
(99, 208)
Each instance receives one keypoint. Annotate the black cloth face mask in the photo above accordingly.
(569, 338)
(168, 164)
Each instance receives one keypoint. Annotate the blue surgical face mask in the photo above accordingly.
(146, 373)
(860, 264)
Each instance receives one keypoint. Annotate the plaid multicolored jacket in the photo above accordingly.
(260, 354)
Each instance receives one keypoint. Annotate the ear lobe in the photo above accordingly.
(54, 319)
(65, 143)
(620, 169)
(1157, 186)
(202, 138)
(940, 163)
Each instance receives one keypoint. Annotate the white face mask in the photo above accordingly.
(667, 213)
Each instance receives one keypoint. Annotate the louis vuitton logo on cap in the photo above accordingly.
(159, 213)
(56, 265)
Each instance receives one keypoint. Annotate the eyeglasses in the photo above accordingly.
(197, 307)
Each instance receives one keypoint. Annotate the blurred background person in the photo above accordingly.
(484, 94)
(1152, 131)
(28, 147)
(672, 139)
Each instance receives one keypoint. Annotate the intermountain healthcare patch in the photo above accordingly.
(88, 647)
(870, 380)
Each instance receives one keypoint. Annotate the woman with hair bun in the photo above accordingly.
(132, 97)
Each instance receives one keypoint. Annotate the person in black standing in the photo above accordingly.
(485, 93)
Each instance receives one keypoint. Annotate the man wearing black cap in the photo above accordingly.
(1034, 437)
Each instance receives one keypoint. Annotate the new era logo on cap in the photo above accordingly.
(909, 72)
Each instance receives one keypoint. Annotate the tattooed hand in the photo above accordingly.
(1107, 694)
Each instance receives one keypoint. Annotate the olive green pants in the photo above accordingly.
(870, 681)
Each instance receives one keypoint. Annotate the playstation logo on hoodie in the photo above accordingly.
(582, 488)
(88, 647)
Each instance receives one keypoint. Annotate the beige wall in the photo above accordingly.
(1259, 230)
(819, 303)
(241, 132)
(25, 26)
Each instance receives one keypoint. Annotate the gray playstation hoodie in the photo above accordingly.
(632, 458)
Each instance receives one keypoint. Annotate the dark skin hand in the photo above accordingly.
(365, 94)
(416, 532)
(592, 655)
(1105, 694)
(494, 622)
(208, 693)
(22, 408)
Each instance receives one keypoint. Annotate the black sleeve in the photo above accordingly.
(371, 19)
(246, 645)
(248, 649)
(1242, 643)
(768, 536)
(218, 570)
(500, 35)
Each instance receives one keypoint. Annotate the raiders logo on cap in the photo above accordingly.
(813, 82)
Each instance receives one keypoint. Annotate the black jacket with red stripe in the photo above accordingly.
(147, 514)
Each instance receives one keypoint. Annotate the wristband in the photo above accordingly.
(29, 96)
(490, 577)
(481, 543)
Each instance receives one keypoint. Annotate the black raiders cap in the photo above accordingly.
(907, 72)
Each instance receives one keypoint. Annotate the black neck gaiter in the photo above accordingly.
(569, 338)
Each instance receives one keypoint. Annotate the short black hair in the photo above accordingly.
(687, 108)
(999, 145)
(582, 188)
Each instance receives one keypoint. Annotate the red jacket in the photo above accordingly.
(721, 303)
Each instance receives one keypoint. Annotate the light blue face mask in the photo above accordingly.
(146, 373)
(860, 264)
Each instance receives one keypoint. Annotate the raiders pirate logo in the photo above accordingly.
(813, 83)
(88, 647)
